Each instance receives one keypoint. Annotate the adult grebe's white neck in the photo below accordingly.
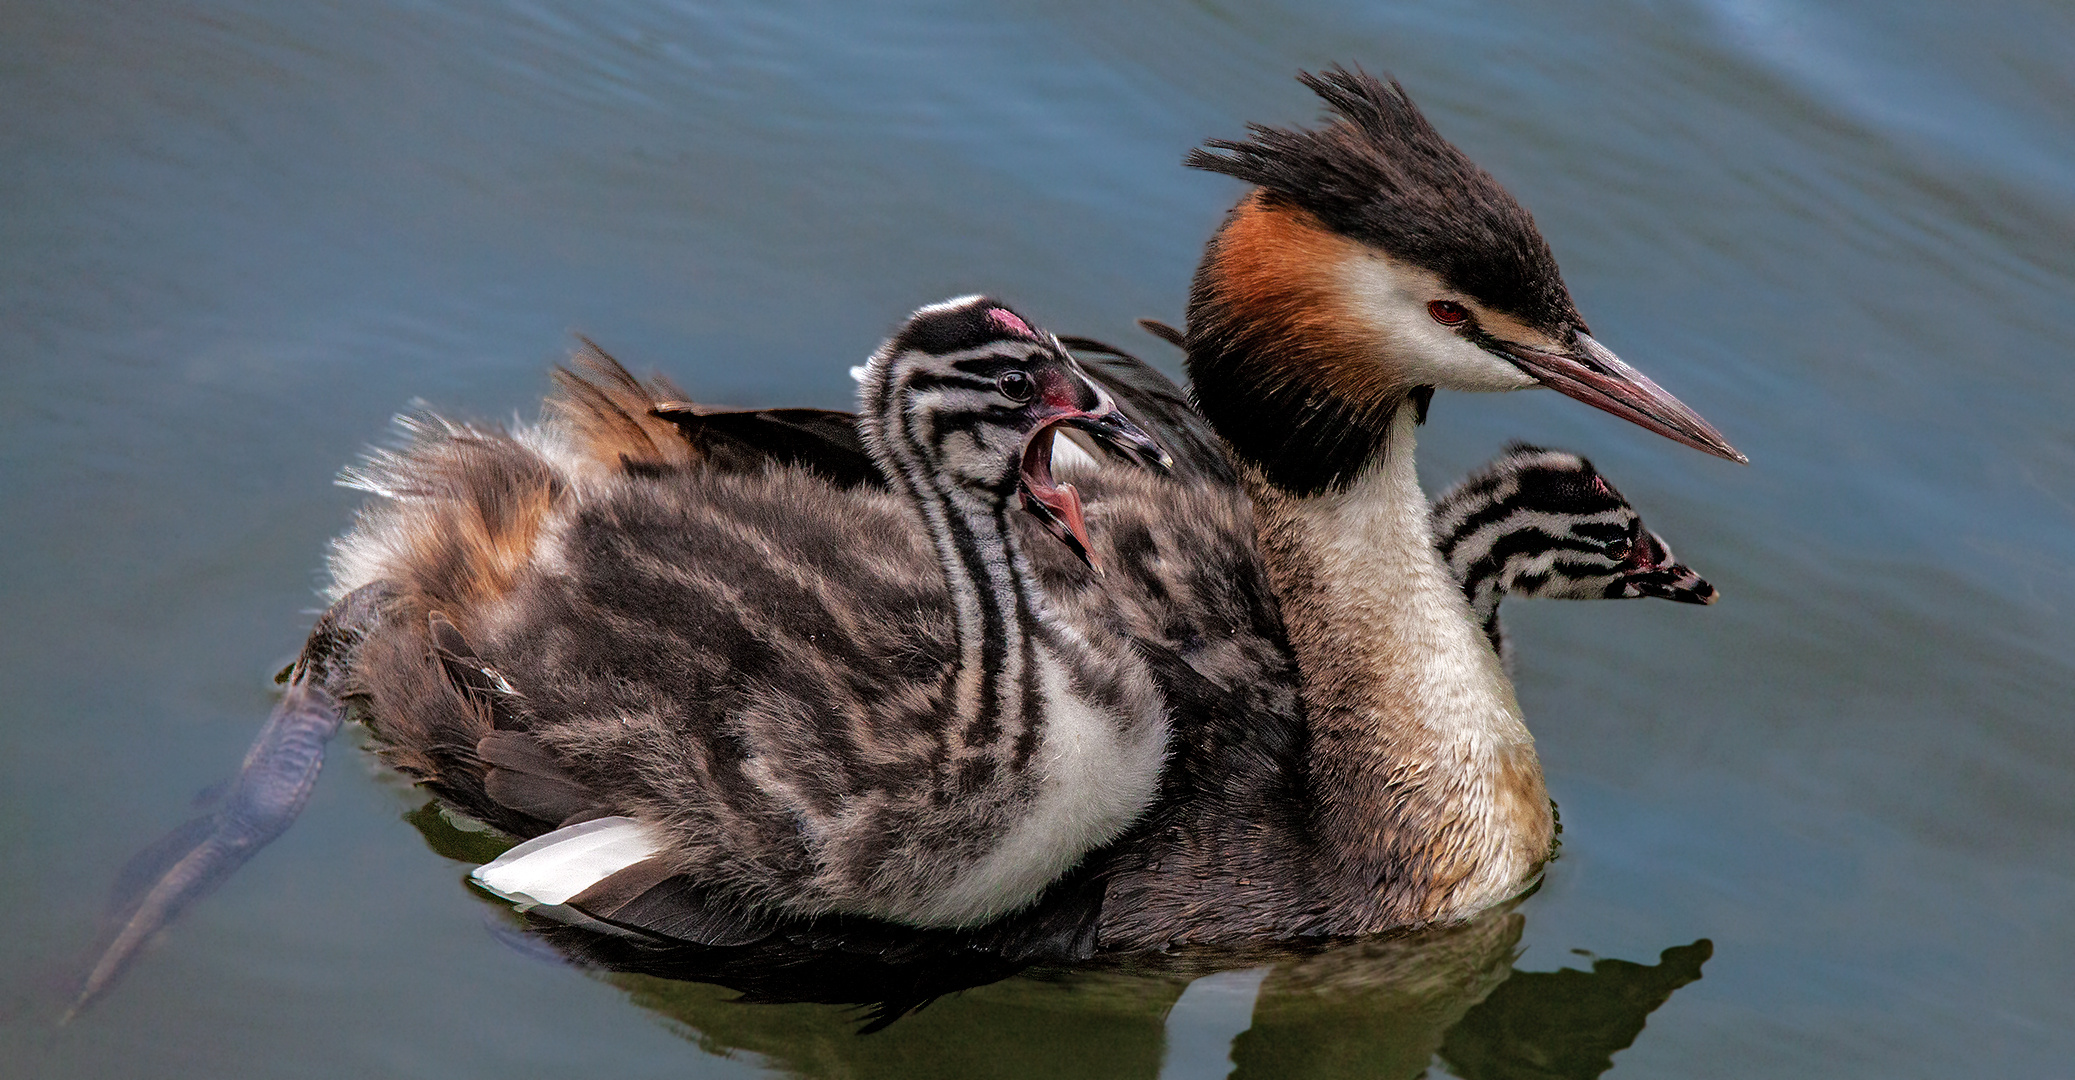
(1423, 769)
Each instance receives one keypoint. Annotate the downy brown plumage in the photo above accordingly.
(788, 697)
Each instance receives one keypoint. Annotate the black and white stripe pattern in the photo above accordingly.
(1538, 522)
(935, 418)
(794, 698)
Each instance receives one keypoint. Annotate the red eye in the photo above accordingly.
(1448, 312)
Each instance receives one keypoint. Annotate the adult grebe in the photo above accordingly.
(1352, 758)
(1371, 265)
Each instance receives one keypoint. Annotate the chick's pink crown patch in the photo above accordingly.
(1007, 321)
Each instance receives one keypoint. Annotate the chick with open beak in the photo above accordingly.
(1089, 408)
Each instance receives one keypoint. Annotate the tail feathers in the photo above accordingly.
(612, 414)
(651, 898)
(460, 509)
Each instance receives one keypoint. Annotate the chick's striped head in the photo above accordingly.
(1542, 522)
(967, 395)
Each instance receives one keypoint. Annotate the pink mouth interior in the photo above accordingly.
(1061, 500)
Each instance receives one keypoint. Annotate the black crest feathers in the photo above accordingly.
(1379, 173)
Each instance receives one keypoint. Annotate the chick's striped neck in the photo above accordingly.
(997, 686)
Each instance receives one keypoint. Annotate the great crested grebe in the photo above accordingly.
(1371, 264)
(1349, 757)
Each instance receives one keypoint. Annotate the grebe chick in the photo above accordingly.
(721, 698)
(1545, 523)
(781, 708)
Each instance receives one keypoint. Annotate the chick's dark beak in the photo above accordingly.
(1666, 578)
(1676, 582)
(1116, 431)
(1592, 373)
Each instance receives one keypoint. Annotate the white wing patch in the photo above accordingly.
(549, 869)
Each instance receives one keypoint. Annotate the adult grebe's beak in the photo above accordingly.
(1590, 372)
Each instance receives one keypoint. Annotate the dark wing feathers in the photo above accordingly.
(519, 773)
(822, 441)
(622, 420)
(825, 441)
(652, 898)
(1161, 407)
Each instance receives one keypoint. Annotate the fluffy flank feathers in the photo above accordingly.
(610, 415)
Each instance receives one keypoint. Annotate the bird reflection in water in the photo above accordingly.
(1440, 1002)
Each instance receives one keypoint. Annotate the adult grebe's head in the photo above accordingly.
(1372, 263)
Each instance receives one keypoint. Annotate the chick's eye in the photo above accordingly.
(1448, 312)
(1015, 385)
(1634, 545)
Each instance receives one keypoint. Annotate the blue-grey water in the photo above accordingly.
(236, 237)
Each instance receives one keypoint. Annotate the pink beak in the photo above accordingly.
(1591, 373)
